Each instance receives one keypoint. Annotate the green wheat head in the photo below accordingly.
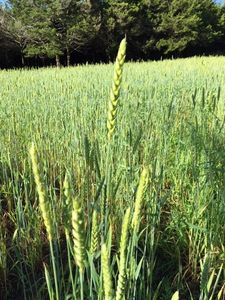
(78, 235)
(175, 296)
(67, 190)
(94, 233)
(107, 280)
(43, 204)
(122, 265)
(139, 199)
(114, 94)
(68, 203)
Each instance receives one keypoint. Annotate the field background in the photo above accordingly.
(171, 118)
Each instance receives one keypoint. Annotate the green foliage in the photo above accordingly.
(186, 24)
(61, 29)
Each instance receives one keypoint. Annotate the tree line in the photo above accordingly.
(64, 32)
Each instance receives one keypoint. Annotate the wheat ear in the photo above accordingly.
(68, 203)
(122, 265)
(44, 206)
(175, 296)
(78, 235)
(94, 233)
(114, 94)
(67, 190)
(107, 280)
(139, 199)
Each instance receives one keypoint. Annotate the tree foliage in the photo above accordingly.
(62, 29)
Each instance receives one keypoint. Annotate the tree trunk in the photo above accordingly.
(22, 60)
(57, 60)
(6, 59)
(43, 61)
(67, 57)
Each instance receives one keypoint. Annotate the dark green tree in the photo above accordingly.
(61, 28)
(125, 18)
(14, 31)
(186, 24)
(86, 30)
(57, 27)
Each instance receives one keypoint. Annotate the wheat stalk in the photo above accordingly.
(44, 206)
(114, 94)
(122, 265)
(111, 117)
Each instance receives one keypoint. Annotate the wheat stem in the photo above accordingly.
(122, 265)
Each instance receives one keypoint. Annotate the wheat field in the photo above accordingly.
(113, 197)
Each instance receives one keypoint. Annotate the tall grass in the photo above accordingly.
(142, 218)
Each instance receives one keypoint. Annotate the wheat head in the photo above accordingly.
(114, 94)
(139, 199)
(78, 235)
(94, 233)
(107, 280)
(43, 204)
